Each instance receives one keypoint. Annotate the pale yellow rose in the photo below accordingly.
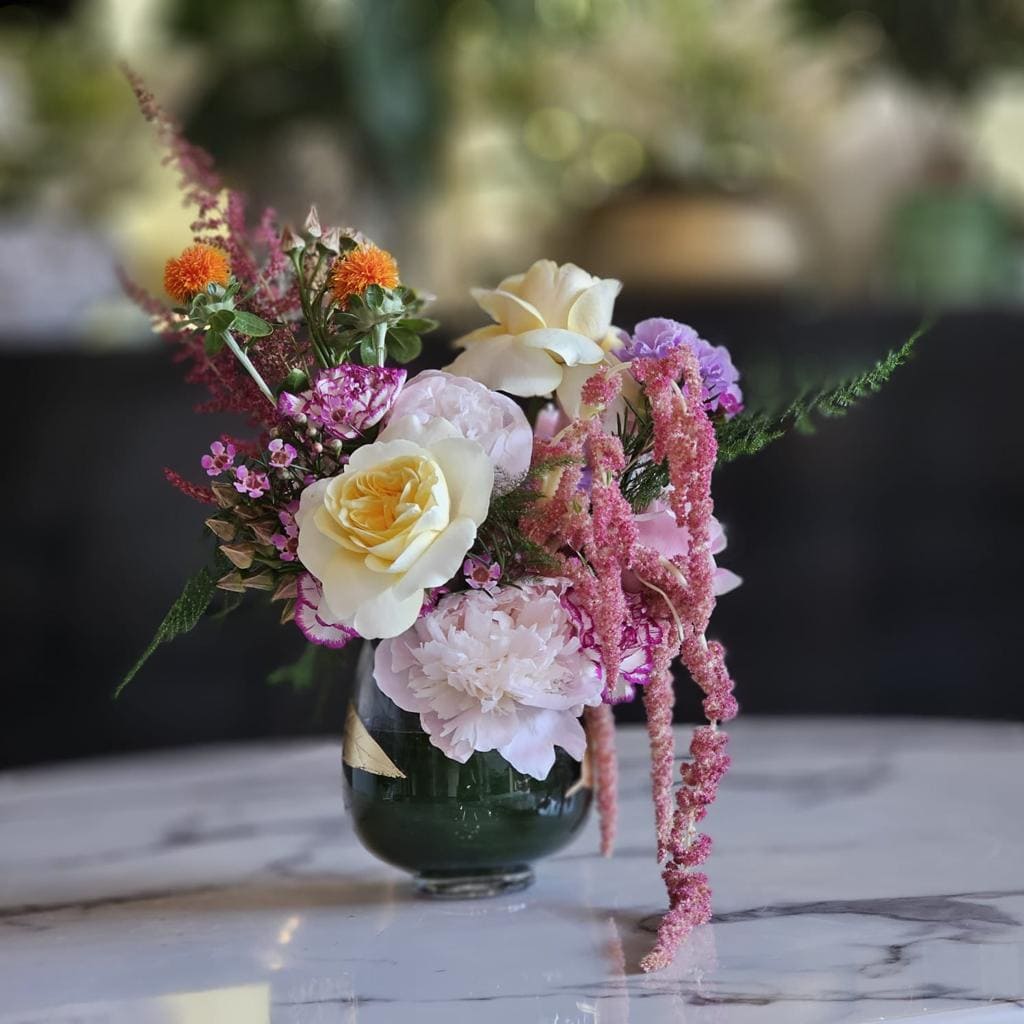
(547, 319)
(570, 393)
(398, 520)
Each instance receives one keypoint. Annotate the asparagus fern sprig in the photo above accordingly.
(644, 479)
(749, 433)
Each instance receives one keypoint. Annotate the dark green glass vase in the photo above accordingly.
(463, 830)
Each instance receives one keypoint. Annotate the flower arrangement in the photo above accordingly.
(519, 578)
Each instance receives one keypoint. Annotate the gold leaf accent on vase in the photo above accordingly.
(360, 750)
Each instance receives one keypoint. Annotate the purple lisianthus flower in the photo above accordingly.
(346, 400)
(655, 338)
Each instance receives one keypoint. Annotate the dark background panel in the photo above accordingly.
(881, 556)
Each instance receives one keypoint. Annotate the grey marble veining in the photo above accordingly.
(863, 871)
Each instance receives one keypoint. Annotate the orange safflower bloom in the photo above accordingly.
(198, 266)
(354, 272)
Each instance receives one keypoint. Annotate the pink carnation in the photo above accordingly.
(501, 672)
(346, 400)
(313, 617)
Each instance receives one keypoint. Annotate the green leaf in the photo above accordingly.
(301, 673)
(250, 325)
(748, 433)
(222, 319)
(374, 296)
(419, 324)
(183, 615)
(296, 381)
(403, 346)
(214, 342)
(368, 350)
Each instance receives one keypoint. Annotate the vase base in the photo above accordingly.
(469, 885)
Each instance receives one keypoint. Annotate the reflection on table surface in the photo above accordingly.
(863, 870)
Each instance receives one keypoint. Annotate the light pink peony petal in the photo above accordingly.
(503, 671)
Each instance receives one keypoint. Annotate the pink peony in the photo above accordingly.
(494, 421)
(659, 530)
(501, 672)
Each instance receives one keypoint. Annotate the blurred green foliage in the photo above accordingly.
(369, 71)
(947, 43)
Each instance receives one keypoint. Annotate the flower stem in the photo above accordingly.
(249, 368)
(379, 342)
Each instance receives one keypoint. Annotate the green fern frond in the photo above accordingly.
(182, 617)
(749, 433)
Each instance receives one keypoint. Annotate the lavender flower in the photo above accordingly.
(346, 400)
(658, 336)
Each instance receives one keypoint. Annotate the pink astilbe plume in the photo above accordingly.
(256, 259)
(194, 491)
(199, 182)
(600, 722)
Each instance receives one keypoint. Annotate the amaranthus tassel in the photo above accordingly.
(600, 722)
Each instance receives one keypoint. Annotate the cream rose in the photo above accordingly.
(399, 519)
(547, 319)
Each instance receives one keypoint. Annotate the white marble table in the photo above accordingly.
(863, 871)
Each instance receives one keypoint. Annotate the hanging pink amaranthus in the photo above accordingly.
(594, 535)
(601, 736)
(685, 438)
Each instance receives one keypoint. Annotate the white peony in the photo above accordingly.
(503, 672)
(399, 520)
(494, 421)
(547, 319)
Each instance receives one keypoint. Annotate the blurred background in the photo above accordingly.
(802, 180)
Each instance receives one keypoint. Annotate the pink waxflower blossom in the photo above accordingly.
(481, 574)
(314, 618)
(501, 672)
(282, 454)
(287, 543)
(222, 457)
(252, 482)
(347, 400)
